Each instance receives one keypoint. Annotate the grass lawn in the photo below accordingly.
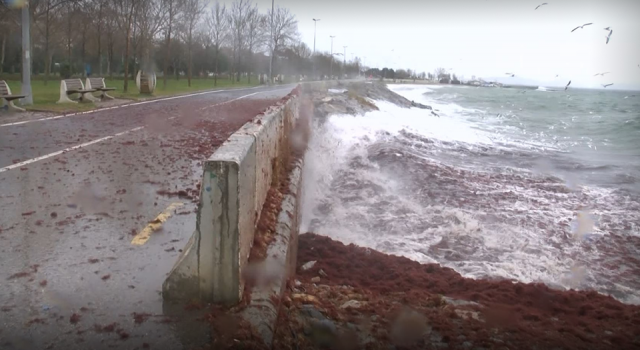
(46, 96)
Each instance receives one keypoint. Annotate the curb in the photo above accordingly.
(264, 302)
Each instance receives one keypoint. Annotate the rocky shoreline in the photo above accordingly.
(349, 297)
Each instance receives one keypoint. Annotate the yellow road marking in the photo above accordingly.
(144, 235)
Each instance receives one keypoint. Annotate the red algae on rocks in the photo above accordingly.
(367, 297)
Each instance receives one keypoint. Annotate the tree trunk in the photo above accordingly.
(47, 64)
(249, 74)
(109, 55)
(126, 51)
(69, 41)
(206, 60)
(215, 75)
(189, 64)
(168, 53)
(84, 46)
(2, 52)
(176, 69)
(100, 39)
(134, 44)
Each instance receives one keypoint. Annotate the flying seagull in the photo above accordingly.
(582, 26)
(544, 3)
(511, 74)
(609, 35)
(601, 74)
(557, 75)
(566, 87)
(605, 85)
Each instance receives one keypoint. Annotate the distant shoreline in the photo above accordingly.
(510, 86)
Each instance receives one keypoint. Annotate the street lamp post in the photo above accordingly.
(344, 61)
(273, 49)
(364, 66)
(331, 61)
(315, 22)
(26, 56)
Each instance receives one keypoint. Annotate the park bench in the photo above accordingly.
(98, 84)
(5, 93)
(69, 87)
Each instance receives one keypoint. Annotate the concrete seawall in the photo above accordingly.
(234, 189)
(235, 182)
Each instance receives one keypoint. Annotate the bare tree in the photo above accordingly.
(173, 9)
(440, 73)
(193, 10)
(99, 25)
(150, 21)
(70, 16)
(255, 33)
(110, 25)
(217, 33)
(285, 29)
(238, 18)
(48, 14)
(125, 10)
(5, 29)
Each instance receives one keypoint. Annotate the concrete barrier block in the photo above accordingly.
(262, 312)
(182, 283)
(267, 134)
(226, 222)
(234, 188)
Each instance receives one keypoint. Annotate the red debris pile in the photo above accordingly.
(297, 141)
(229, 331)
(354, 298)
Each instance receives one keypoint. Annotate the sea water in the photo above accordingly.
(528, 185)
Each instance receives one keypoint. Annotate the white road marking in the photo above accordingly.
(239, 98)
(26, 162)
(127, 105)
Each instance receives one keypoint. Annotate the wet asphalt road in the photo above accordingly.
(70, 275)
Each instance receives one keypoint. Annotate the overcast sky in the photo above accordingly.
(482, 37)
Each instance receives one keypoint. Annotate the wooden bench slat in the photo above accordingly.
(5, 93)
(12, 97)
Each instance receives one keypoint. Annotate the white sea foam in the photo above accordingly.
(447, 190)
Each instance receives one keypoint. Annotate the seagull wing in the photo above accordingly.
(587, 24)
(537, 6)
(566, 87)
(574, 29)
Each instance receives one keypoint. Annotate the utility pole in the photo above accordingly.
(273, 48)
(364, 66)
(331, 61)
(26, 56)
(315, 22)
(344, 61)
